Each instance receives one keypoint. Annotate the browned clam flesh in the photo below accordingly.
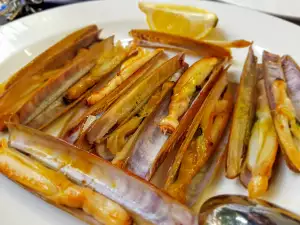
(201, 139)
(91, 121)
(282, 96)
(262, 147)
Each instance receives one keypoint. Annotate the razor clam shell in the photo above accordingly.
(272, 71)
(246, 173)
(73, 132)
(243, 116)
(292, 75)
(57, 126)
(200, 47)
(103, 151)
(133, 99)
(135, 195)
(59, 106)
(53, 111)
(56, 86)
(179, 134)
(58, 54)
(107, 46)
(130, 151)
(205, 176)
(211, 165)
(143, 160)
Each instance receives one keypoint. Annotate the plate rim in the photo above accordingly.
(70, 7)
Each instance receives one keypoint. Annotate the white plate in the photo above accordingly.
(283, 8)
(23, 39)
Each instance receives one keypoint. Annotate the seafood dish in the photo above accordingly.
(91, 121)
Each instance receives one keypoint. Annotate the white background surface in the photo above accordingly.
(21, 40)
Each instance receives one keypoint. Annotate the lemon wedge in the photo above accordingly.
(181, 20)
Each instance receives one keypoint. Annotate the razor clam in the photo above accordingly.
(184, 90)
(205, 177)
(135, 97)
(56, 86)
(20, 93)
(57, 55)
(57, 189)
(59, 106)
(202, 138)
(57, 126)
(292, 76)
(159, 39)
(135, 63)
(119, 143)
(65, 114)
(262, 148)
(237, 209)
(107, 62)
(282, 110)
(243, 115)
(75, 127)
(135, 195)
(82, 141)
(180, 133)
(148, 145)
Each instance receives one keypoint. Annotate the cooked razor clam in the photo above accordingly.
(282, 109)
(27, 84)
(292, 75)
(128, 69)
(195, 77)
(130, 103)
(57, 55)
(262, 148)
(59, 106)
(118, 138)
(167, 145)
(201, 139)
(45, 93)
(243, 115)
(149, 38)
(135, 195)
(65, 114)
(55, 187)
(76, 127)
(140, 160)
(106, 63)
(65, 78)
(144, 124)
